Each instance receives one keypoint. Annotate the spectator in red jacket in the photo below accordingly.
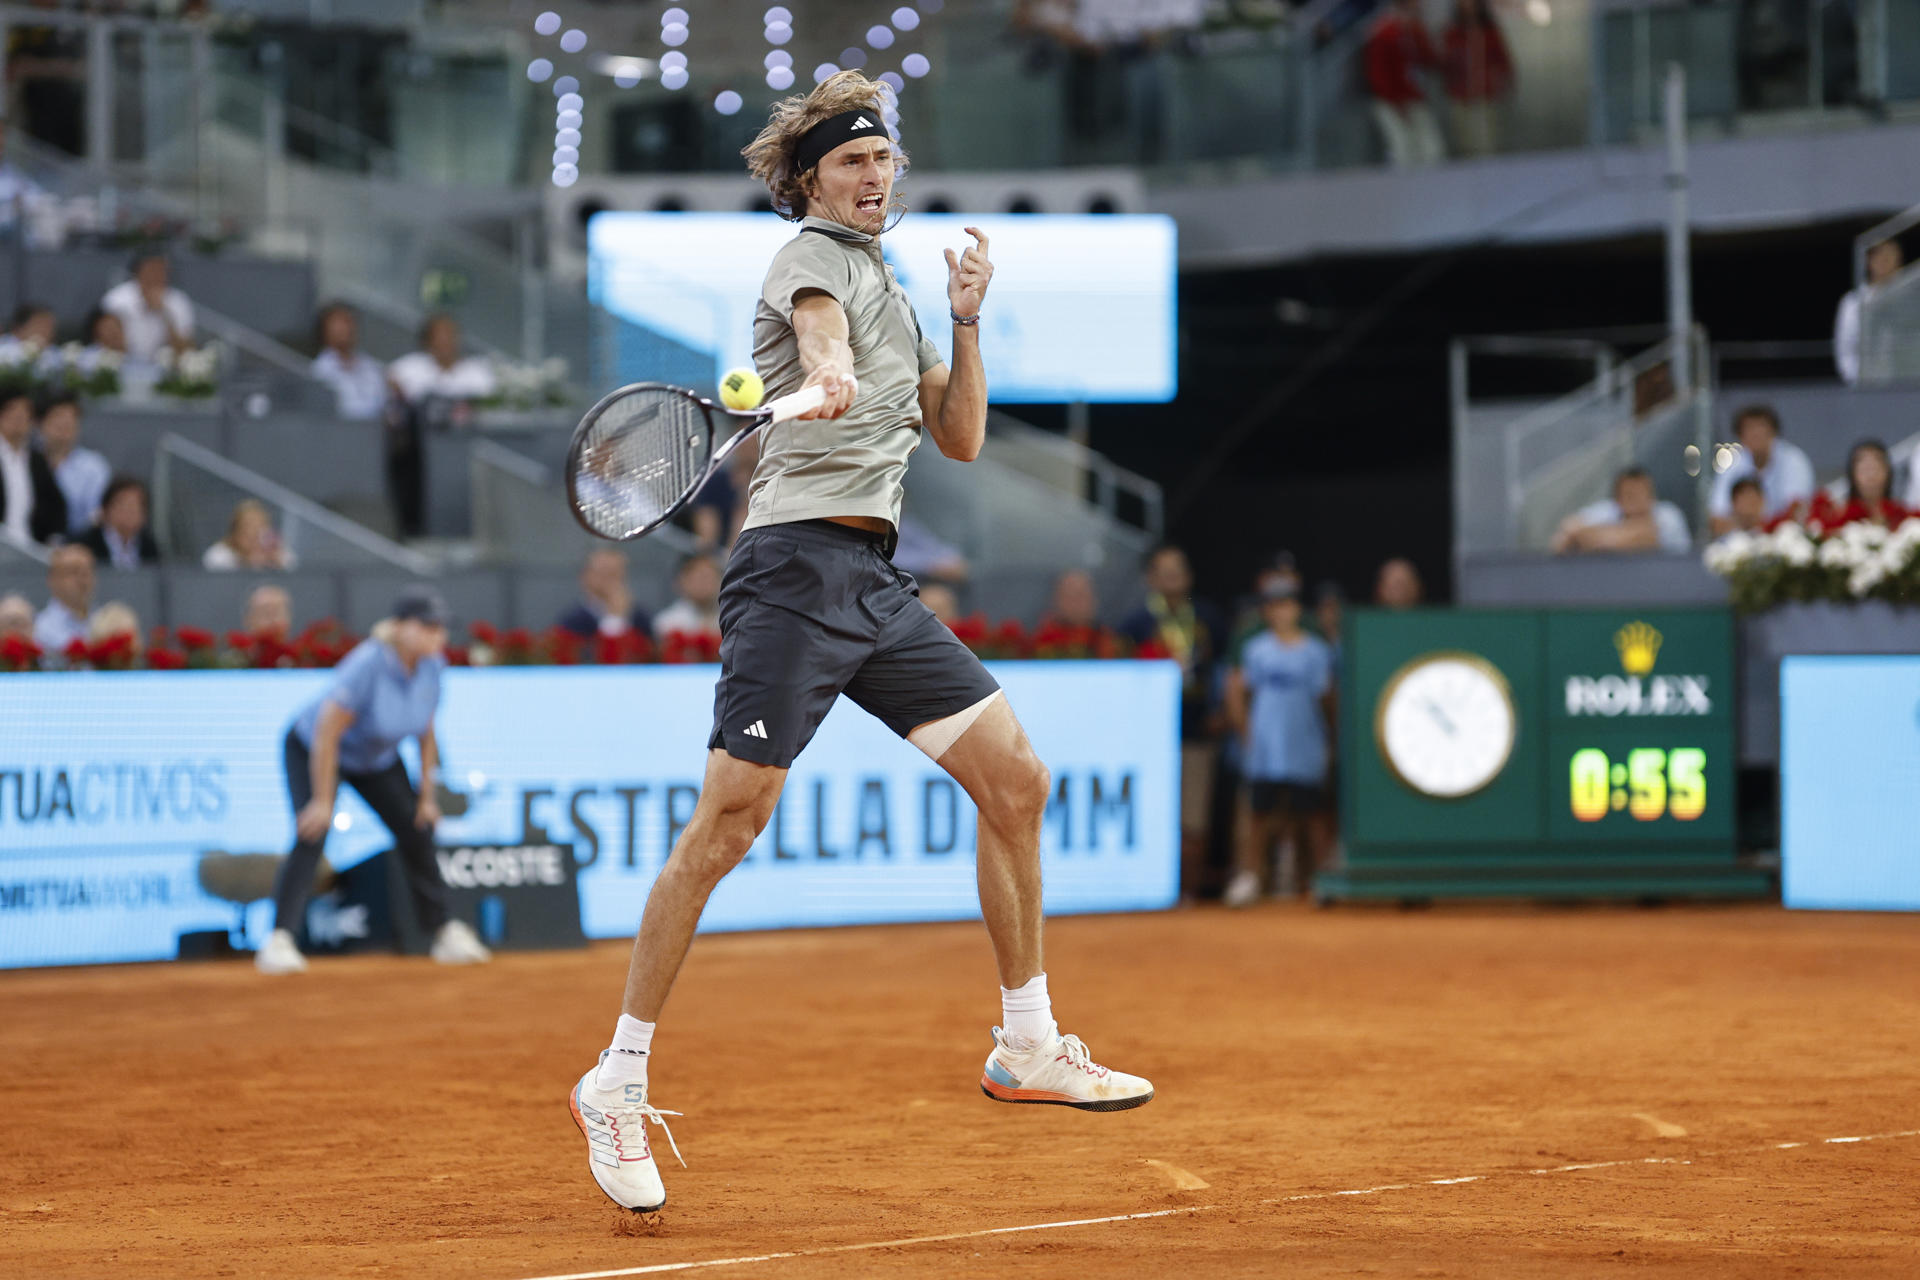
(1397, 49)
(1479, 74)
(1869, 497)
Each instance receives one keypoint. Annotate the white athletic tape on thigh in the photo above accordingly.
(935, 736)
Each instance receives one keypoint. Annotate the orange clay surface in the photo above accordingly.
(384, 1117)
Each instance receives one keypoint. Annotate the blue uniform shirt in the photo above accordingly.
(387, 705)
(1286, 730)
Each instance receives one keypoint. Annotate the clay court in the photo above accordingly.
(1349, 1092)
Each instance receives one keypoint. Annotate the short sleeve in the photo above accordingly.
(929, 355)
(1674, 534)
(354, 679)
(1601, 512)
(809, 261)
(1323, 669)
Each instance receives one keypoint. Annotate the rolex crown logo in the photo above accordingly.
(1638, 644)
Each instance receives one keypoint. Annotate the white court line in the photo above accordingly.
(660, 1268)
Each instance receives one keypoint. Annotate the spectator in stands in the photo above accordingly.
(1869, 495)
(718, 512)
(1249, 616)
(431, 388)
(1191, 633)
(1398, 49)
(941, 601)
(31, 335)
(438, 369)
(1076, 602)
(81, 473)
(1783, 469)
(153, 314)
(1634, 519)
(606, 606)
(16, 617)
(1479, 75)
(116, 619)
(1279, 700)
(15, 186)
(1884, 261)
(1749, 503)
(359, 381)
(269, 613)
(70, 586)
(121, 539)
(696, 611)
(32, 507)
(251, 542)
(921, 553)
(1398, 585)
(1330, 614)
(106, 340)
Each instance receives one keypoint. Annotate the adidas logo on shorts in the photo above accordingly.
(758, 729)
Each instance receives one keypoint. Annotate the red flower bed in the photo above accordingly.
(324, 643)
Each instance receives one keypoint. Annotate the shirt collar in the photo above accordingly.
(19, 455)
(834, 230)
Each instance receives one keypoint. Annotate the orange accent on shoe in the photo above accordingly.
(1005, 1094)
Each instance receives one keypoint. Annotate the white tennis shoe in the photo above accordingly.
(618, 1153)
(457, 943)
(1062, 1072)
(279, 954)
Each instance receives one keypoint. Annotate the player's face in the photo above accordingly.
(853, 184)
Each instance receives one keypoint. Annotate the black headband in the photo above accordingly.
(815, 143)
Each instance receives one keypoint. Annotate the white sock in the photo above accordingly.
(626, 1063)
(1026, 1016)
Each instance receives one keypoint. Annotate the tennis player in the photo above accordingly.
(812, 607)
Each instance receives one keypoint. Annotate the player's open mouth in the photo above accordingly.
(869, 203)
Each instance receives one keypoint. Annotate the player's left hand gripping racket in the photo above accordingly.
(642, 453)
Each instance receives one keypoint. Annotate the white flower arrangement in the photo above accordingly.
(193, 374)
(528, 386)
(1858, 561)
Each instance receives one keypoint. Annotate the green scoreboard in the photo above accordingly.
(1563, 753)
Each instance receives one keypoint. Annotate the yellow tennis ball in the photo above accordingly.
(742, 389)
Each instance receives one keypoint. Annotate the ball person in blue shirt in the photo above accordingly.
(383, 692)
(1279, 700)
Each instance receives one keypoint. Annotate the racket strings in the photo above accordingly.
(639, 459)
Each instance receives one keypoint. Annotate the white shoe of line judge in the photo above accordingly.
(456, 943)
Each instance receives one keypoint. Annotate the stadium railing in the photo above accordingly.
(1890, 318)
(196, 489)
(1521, 464)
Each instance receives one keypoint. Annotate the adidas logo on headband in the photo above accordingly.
(861, 123)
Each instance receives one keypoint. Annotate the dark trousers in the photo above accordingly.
(407, 470)
(390, 794)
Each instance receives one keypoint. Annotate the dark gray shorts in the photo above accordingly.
(811, 610)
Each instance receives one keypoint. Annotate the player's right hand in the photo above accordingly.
(313, 820)
(840, 388)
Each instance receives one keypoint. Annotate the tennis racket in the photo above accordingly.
(641, 454)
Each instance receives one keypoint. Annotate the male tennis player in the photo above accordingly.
(812, 607)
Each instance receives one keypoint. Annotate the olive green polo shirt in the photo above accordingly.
(853, 465)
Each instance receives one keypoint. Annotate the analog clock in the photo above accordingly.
(1445, 724)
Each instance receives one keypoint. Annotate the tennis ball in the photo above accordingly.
(741, 389)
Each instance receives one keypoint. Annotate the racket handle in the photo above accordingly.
(805, 400)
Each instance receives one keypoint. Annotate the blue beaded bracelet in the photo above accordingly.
(964, 320)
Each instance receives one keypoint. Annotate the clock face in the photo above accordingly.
(1446, 724)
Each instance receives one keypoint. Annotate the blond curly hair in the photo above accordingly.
(770, 156)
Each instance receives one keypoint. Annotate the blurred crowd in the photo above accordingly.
(1767, 481)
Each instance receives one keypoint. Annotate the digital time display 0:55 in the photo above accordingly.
(1649, 784)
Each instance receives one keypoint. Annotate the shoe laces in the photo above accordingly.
(1075, 1051)
(637, 1112)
